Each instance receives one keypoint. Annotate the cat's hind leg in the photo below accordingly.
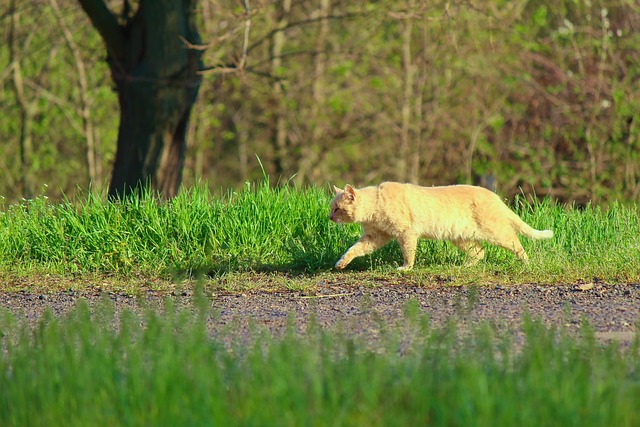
(516, 247)
(368, 243)
(408, 244)
(473, 250)
(510, 242)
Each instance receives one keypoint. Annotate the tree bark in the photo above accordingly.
(156, 74)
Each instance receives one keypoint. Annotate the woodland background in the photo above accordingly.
(522, 95)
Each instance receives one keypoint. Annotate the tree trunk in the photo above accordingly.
(93, 167)
(308, 170)
(155, 71)
(27, 110)
(407, 96)
(278, 121)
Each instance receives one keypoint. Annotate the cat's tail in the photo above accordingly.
(540, 234)
(528, 231)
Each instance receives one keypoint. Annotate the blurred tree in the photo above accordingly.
(154, 58)
(532, 95)
(94, 167)
(28, 108)
(278, 123)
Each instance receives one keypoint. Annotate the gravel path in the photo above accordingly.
(613, 310)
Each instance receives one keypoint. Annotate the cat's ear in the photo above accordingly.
(350, 192)
(337, 190)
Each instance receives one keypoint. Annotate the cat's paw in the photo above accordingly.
(341, 264)
(405, 268)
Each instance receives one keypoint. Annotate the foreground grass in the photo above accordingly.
(166, 369)
(285, 229)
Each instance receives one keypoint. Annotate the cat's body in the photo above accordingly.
(462, 214)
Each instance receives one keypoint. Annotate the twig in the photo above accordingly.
(326, 296)
(245, 40)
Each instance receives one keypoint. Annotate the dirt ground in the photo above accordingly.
(612, 310)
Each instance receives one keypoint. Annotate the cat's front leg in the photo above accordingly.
(344, 261)
(365, 245)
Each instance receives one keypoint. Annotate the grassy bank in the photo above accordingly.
(165, 369)
(287, 229)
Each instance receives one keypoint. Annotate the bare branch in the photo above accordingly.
(63, 104)
(304, 22)
(245, 41)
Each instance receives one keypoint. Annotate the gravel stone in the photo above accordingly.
(612, 310)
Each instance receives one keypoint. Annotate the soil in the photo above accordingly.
(612, 310)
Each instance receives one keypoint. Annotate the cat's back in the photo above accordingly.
(398, 196)
(461, 192)
(401, 200)
(442, 202)
(449, 193)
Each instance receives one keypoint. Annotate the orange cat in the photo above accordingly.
(462, 214)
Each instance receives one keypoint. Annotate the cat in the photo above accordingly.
(462, 214)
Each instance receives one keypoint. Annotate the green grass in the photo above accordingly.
(286, 229)
(167, 367)
(92, 368)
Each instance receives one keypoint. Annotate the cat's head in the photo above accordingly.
(343, 206)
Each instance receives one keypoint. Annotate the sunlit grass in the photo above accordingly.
(168, 368)
(262, 228)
